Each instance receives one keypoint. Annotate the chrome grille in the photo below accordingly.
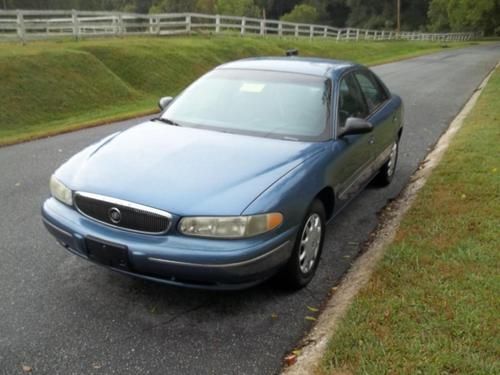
(122, 214)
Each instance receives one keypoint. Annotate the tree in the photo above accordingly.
(337, 12)
(382, 13)
(276, 8)
(173, 6)
(480, 15)
(237, 8)
(206, 6)
(464, 15)
(438, 15)
(302, 13)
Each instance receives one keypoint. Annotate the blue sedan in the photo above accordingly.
(236, 179)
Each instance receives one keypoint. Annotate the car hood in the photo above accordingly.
(185, 171)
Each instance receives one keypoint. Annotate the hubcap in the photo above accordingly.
(391, 166)
(309, 243)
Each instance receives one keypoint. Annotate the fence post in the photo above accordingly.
(311, 31)
(120, 29)
(262, 27)
(280, 29)
(243, 24)
(21, 30)
(217, 23)
(76, 27)
(157, 28)
(357, 34)
(157, 25)
(325, 32)
(188, 24)
(296, 31)
(339, 34)
(153, 21)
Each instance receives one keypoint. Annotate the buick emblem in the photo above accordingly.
(114, 215)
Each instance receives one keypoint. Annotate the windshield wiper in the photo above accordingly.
(166, 121)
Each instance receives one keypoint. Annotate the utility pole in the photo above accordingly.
(398, 20)
(4, 4)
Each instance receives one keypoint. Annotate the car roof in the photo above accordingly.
(301, 65)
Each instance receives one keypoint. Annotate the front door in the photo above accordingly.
(354, 154)
(383, 120)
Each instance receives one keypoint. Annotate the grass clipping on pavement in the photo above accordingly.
(432, 306)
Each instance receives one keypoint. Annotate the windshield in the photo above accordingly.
(262, 103)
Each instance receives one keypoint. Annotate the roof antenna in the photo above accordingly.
(292, 52)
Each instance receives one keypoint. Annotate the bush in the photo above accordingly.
(302, 13)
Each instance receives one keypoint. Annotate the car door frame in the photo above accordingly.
(381, 149)
(349, 187)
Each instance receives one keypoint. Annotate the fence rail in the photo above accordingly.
(25, 25)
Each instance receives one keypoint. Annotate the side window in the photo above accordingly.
(351, 103)
(374, 94)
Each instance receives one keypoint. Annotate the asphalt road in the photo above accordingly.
(62, 315)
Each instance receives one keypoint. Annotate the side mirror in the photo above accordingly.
(164, 102)
(356, 125)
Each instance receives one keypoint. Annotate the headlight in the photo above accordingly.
(230, 226)
(60, 191)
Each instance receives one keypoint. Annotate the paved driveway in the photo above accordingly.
(62, 315)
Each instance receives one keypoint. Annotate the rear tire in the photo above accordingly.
(301, 266)
(386, 173)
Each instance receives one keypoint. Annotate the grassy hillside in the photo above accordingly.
(54, 86)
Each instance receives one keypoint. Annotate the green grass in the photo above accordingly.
(53, 86)
(433, 304)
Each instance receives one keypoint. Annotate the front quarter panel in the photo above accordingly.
(293, 193)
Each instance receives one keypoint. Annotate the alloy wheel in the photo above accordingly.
(310, 242)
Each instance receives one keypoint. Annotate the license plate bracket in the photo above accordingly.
(107, 253)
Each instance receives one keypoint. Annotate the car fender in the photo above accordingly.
(293, 193)
(66, 171)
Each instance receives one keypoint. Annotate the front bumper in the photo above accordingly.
(174, 259)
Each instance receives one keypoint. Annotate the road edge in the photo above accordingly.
(83, 126)
(315, 343)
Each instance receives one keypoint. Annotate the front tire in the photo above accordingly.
(306, 253)
(386, 173)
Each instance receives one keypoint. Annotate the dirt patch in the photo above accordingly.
(315, 343)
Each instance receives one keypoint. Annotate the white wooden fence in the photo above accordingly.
(25, 25)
